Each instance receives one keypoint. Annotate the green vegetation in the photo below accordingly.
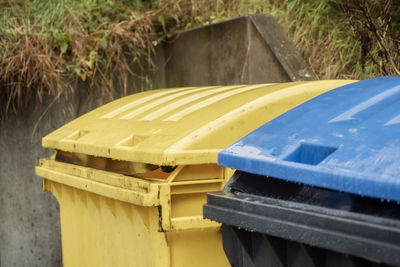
(320, 31)
(49, 46)
(340, 39)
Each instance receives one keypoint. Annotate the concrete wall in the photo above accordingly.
(245, 50)
(250, 49)
(29, 218)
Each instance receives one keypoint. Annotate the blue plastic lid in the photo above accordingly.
(347, 139)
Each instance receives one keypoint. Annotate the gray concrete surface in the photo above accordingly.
(29, 218)
(29, 230)
(249, 49)
(245, 50)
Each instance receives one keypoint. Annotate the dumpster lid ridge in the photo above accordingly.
(175, 126)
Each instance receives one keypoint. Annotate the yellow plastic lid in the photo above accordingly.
(180, 126)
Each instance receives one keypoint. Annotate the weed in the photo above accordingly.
(375, 25)
(50, 45)
(55, 43)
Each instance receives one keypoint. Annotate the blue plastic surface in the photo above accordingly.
(347, 139)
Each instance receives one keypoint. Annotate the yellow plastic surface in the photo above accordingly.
(110, 219)
(154, 218)
(180, 126)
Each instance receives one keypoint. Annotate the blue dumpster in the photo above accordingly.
(319, 185)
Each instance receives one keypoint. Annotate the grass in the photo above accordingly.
(49, 46)
(322, 34)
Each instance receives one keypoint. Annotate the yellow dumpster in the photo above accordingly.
(131, 177)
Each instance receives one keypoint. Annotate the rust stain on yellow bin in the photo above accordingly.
(131, 177)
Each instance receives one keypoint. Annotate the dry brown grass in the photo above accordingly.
(48, 46)
(82, 47)
(26, 70)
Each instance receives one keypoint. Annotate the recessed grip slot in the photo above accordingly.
(311, 154)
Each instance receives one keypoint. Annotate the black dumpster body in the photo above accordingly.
(271, 222)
